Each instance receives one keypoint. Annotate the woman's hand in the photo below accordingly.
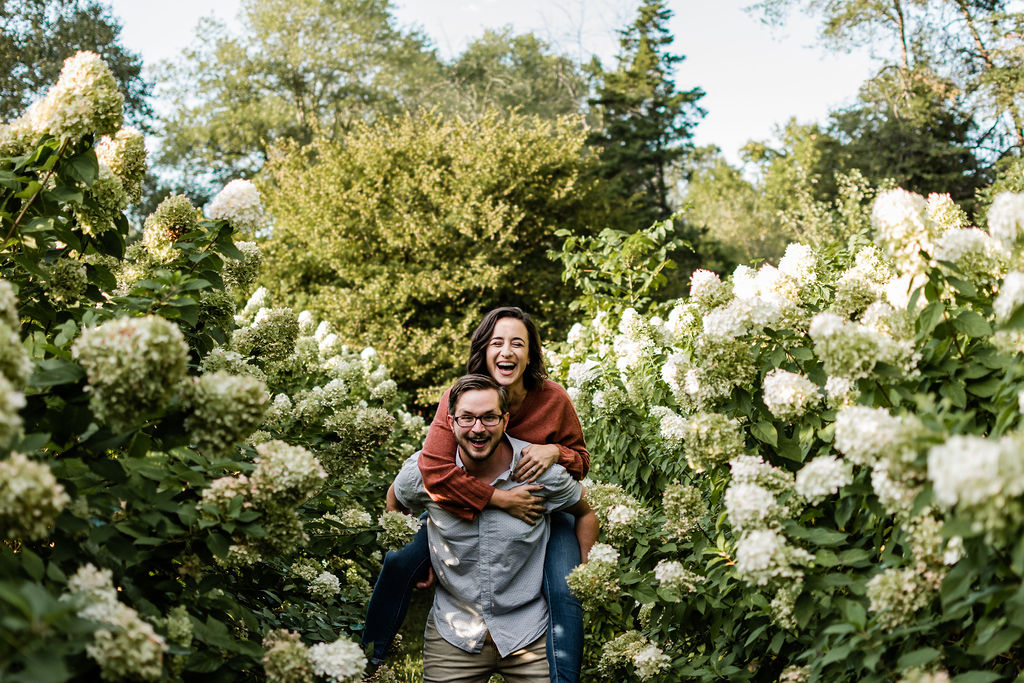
(520, 502)
(536, 460)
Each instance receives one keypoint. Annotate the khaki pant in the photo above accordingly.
(445, 663)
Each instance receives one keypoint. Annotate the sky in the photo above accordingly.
(754, 77)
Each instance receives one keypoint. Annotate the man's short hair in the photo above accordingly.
(476, 382)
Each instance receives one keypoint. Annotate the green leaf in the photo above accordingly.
(972, 324)
(816, 535)
(918, 657)
(55, 371)
(999, 643)
(930, 317)
(765, 432)
(218, 544)
(977, 677)
(84, 168)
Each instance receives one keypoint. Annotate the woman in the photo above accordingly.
(506, 345)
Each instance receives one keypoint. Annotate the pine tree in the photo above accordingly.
(644, 122)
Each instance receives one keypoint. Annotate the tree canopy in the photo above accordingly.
(405, 231)
(36, 36)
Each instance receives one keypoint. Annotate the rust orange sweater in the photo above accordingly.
(546, 416)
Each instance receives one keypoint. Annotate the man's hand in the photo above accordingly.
(429, 581)
(536, 460)
(520, 502)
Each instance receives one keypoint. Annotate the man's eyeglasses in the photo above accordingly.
(489, 420)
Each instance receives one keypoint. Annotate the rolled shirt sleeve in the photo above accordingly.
(409, 487)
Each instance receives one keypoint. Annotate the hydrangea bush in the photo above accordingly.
(825, 459)
(185, 481)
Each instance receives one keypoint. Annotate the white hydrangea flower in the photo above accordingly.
(823, 477)
(650, 661)
(582, 375)
(11, 403)
(965, 470)
(602, 552)
(239, 204)
(339, 662)
(285, 473)
(751, 506)
(903, 225)
(672, 575)
(763, 555)
(85, 99)
(841, 391)
(672, 427)
(865, 434)
(31, 498)
(1006, 217)
(848, 349)
(397, 529)
(1011, 296)
(798, 263)
(789, 395)
(325, 586)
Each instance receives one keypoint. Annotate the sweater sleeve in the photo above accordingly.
(447, 484)
(574, 456)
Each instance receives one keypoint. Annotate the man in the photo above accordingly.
(488, 615)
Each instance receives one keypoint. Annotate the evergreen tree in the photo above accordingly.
(644, 122)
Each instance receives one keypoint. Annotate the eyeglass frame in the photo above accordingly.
(482, 418)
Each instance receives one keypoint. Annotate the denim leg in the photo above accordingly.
(565, 614)
(391, 595)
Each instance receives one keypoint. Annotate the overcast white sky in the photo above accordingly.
(754, 77)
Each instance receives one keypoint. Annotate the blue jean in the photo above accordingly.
(403, 568)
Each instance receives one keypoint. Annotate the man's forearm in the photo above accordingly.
(587, 528)
(391, 502)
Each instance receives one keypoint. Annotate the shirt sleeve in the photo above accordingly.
(448, 485)
(409, 487)
(560, 489)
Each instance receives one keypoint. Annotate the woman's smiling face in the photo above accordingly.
(508, 353)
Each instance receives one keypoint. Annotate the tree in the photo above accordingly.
(732, 210)
(404, 232)
(908, 129)
(505, 71)
(644, 123)
(36, 36)
(299, 69)
(974, 44)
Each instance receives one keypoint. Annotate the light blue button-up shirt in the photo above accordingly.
(489, 570)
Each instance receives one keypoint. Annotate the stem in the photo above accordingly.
(884, 394)
(24, 209)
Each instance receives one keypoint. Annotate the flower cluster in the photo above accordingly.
(225, 409)
(671, 575)
(903, 225)
(66, 281)
(30, 498)
(285, 658)
(684, 509)
(133, 365)
(238, 204)
(596, 583)
(863, 283)
(270, 337)
(865, 435)
(711, 439)
(173, 218)
(789, 395)
(823, 477)
(1006, 217)
(617, 511)
(125, 155)
(975, 255)
(759, 496)
(764, 555)
(240, 274)
(896, 595)
(86, 99)
(984, 477)
(339, 662)
(632, 649)
(397, 529)
(324, 586)
(848, 349)
(285, 474)
(124, 646)
(1010, 298)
